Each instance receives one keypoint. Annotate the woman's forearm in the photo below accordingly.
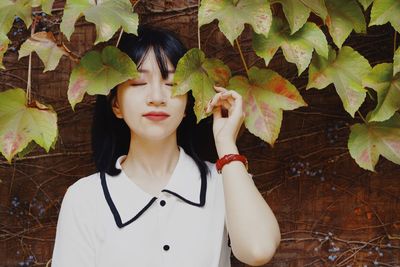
(252, 226)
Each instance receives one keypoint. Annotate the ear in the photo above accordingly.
(116, 108)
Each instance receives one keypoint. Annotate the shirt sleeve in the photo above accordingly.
(73, 244)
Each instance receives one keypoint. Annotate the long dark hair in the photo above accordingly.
(111, 135)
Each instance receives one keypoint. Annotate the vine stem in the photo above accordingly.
(394, 41)
(28, 85)
(198, 26)
(362, 117)
(242, 57)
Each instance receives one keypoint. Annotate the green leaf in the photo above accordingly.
(396, 62)
(343, 17)
(318, 7)
(9, 9)
(365, 3)
(384, 11)
(47, 5)
(98, 73)
(297, 48)
(265, 95)
(3, 48)
(197, 73)
(345, 71)
(44, 44)
(232, 16)
(20, 124)
(388, 90)
(368, 141)
(107, 15)
(297, 12)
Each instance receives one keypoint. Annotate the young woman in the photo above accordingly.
(153, 201)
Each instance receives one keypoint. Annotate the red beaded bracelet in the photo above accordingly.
(228, 158)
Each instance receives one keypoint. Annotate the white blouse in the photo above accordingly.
(110, 221)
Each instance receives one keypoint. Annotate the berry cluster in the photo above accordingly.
(29, 261)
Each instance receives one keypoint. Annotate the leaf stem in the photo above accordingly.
(369, 93)
(119, 37)
(242, 57)
(394, 42)
(122, 30)
(198, 26)
(28, 85)
(362, 117)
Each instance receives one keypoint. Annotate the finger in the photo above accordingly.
(217, 113)
(219, 88)
(213, 101)
(237, 102)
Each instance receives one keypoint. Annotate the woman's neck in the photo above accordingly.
(151, 158)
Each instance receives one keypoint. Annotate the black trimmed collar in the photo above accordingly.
(128, 201)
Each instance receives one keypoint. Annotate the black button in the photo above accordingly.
(166, 247)
(162, 203)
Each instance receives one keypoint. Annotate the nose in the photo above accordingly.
(156, 95)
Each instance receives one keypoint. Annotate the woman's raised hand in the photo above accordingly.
(226, 129)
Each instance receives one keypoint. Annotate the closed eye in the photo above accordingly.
(137, 84)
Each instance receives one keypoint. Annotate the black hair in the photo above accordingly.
(111, 135)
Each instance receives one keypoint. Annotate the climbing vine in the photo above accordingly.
(266, 94)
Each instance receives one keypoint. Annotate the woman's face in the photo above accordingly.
(149, 93)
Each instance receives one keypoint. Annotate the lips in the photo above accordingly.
(156, 115)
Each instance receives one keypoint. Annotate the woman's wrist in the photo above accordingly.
(226, 147)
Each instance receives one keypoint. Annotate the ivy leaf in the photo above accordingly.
(368, 141)
(297, 48)
(343, 17)
(9, 9)
(98, 73)
(46, 5)
(20, 124)
(107, 15)
(384, 11)
(197, 73)
(365, 3)
(3, 48)
(232, 16)
(44, 44)
(345, 71)
(265, 94)
(297, 12)
(387, 86)
(396, 62)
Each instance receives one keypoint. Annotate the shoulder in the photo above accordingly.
(84, 191)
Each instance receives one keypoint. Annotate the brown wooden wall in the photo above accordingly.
(331, 212)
